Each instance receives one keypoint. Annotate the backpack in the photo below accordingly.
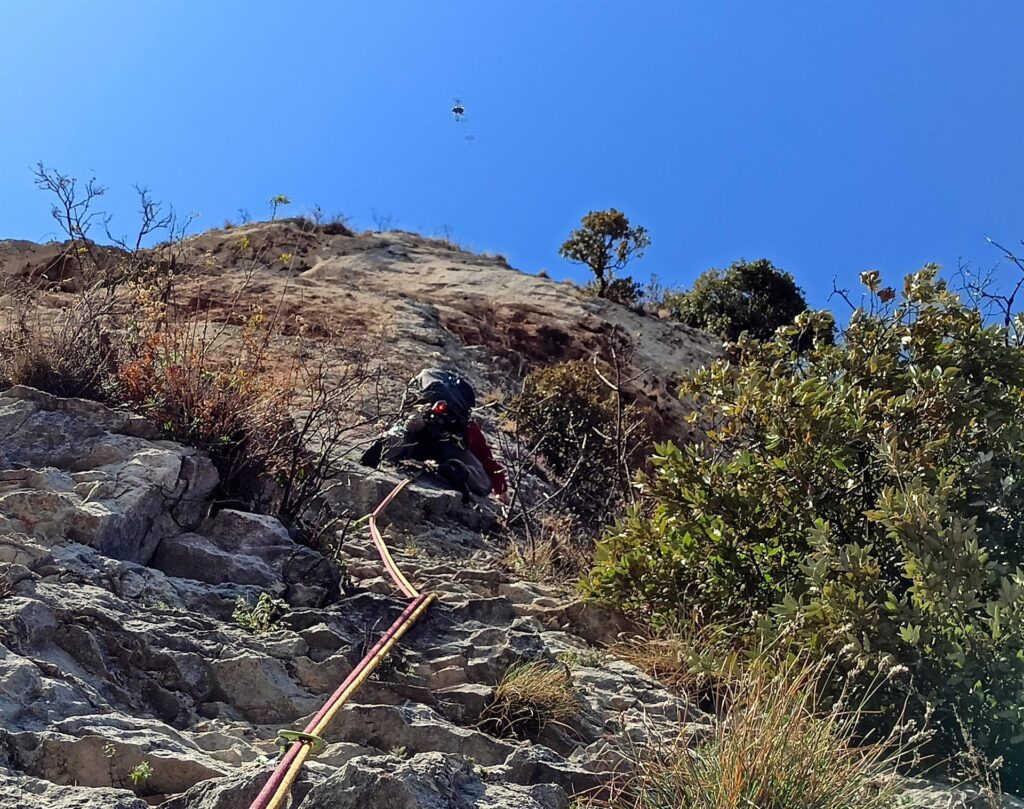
(434, 385)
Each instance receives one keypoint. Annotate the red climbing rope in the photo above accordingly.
(276, 789)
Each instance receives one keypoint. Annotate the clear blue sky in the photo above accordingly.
(828, 136)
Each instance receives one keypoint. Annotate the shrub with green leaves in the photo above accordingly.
(753, 297)
(624, 291)
(866, 501)
(569, 414)
(263, 616)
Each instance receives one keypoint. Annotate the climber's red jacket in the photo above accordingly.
(477, 444)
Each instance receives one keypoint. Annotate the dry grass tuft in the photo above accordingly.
(69, 352)
(692, 659)
(772, 748)
(530, 697)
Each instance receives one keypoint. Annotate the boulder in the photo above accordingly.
(77, 470)
(19, 791)
(243, 548)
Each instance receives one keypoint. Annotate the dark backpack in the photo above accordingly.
(434, 385)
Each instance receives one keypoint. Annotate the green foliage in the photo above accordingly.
(583, 658)
(262, 617)
(141, 772)
(565, 407)
(277, 201)
(569, 414)
(863, 500)
(606, 242)
(624, 291)
(753, 297)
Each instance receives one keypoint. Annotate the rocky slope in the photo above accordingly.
(118, 646)
(119, 578)
(414, 301)
(118, 643)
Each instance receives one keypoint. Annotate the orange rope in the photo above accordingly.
(400, 581)
(275, 791)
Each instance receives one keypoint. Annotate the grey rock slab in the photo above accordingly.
(19, 791)
(464, 703)
(103, 755)
(238, 790)
(243, 548)
(537, 764)
(80, 471)
(416, 728)
(193, 556)
(925, 794)
(427, 781)
(261, 690)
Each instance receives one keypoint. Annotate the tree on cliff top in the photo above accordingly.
(606, 242)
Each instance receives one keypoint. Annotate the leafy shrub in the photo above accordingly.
(771, 748)
(572, 418)
(529, 697)
(866, 501)
(564, 407)
(753, 297)
(261, 617)
(624, 291)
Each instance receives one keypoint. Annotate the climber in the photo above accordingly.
(442, 429)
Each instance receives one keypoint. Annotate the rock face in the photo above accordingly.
(125, 681)
(241, 548)
(76, 470)
(423, 300)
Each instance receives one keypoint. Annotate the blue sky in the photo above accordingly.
(829, 136)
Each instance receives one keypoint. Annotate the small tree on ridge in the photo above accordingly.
(605, 243)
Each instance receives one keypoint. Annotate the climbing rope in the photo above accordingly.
(301, 745)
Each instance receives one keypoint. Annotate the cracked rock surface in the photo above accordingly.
(118, 646)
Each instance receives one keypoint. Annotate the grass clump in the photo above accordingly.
(530, 697)
(691, 659)
(773, 747)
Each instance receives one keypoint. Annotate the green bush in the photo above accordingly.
(570, 415)
(865, 500)
(261, 617)
(564, 407)
(753, 297)
(624, 291)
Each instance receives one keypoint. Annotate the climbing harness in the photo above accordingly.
(310, 741)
